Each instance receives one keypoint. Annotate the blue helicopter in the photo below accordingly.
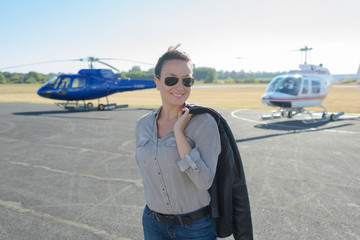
(90, 84)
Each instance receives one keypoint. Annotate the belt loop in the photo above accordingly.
(180, 220)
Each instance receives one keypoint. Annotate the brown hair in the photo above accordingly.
(171, 54)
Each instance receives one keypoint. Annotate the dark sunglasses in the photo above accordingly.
(187, 82)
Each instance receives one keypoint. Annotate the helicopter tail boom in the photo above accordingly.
(343, 77)
(133, 84)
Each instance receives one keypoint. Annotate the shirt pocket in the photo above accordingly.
(171, 152)
(142, 151)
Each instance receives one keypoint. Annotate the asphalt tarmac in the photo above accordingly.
(72, 175)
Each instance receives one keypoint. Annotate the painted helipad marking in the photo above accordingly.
(46, 168)
(233, 114)
(80, 149)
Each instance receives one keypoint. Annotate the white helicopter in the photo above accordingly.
(305, 87)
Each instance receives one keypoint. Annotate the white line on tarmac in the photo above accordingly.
(19, 208)
(135, 182)
(129, 151)
(233, 114)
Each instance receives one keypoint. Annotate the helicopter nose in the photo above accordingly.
(44, 93)
(265, 99)
(39, 92)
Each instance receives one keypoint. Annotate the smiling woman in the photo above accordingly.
(174, 92)
(177, 155)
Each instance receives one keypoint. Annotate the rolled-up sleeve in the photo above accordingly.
(190, 161)
(200, 164)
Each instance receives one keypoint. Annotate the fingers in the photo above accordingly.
(185, 112)
(184, 117)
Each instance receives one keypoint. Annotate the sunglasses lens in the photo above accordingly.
(188, 82)
(171, 81)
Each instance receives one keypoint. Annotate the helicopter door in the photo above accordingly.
(63, 86)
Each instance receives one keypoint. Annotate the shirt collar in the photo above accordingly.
(157, 112)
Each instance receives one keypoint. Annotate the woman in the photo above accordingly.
(177, 155)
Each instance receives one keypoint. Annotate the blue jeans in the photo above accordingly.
(202, 229)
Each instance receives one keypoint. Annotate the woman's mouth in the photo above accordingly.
(177, 94)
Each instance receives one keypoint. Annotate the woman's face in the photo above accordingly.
(174, 95)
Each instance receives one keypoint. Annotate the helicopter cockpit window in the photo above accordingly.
(273, 84)
(65, 82)
(289, 85)
(315, 87)
(78, 83)
(53, 82)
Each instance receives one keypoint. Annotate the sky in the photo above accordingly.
(229, 35)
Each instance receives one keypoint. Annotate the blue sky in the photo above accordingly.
(215, 33)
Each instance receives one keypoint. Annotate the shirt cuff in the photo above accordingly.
(189, 161)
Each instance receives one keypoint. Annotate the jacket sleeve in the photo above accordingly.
(242, 221)
(230, 205)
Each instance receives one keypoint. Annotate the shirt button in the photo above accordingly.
(159, 173)
(163, 189)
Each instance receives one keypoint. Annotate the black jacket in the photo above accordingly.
(230, 207)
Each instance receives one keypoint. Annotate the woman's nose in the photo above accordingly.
(180, 84)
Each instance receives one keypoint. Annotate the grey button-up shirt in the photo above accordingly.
(173, 185)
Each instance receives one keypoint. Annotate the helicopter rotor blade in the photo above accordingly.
(106, 64)
(88, 59)
(306, 48)
(126, 60)
(30, 64)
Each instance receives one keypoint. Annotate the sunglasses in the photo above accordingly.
(187, 82)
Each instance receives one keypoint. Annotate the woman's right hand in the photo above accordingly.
(184, 117)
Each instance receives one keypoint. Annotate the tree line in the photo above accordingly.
(30, 77)
(203, 74)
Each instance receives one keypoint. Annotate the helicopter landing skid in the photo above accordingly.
(89, 106)
(281, 112)
(325, 118)
(274, 114)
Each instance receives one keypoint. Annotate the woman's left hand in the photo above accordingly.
(184, 117)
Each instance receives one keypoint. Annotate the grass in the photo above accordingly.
(344, 98)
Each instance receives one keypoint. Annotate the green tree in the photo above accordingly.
(201, 73)
(205, 74)
(17, 78)
(2, 79)
(211, 76)
(135, 69)
(229, 80)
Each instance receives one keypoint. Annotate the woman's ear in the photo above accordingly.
(157, 82)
